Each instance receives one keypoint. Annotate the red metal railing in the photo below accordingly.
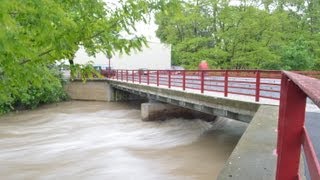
(291, 131)
(254, 83)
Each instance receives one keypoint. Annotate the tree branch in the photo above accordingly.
(46, 52)
(40, 55)
(50, 50)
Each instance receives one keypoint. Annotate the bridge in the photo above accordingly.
(273, 102)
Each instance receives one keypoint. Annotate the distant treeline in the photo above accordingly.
(244, 34)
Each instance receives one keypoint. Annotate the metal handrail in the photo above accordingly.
(292, 134)
(208, 80)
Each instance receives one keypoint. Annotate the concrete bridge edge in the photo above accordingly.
(254, 156)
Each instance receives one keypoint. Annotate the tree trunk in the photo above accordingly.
(72, 73)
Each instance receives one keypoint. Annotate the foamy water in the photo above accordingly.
(96, 140)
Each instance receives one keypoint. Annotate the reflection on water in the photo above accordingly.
(98, 140)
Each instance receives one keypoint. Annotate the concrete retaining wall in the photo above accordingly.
(91, 90)
(97, 90)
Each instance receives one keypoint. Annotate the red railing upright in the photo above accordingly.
(292, 133)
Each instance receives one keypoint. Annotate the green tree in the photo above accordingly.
(297, 57)
(256, 34)
(34, 34)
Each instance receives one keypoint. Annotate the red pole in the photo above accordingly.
(132, 76)
(202, 81)
(148, 77)
(157, 77)
(184, 80)
(226, 77)
(282, 102)
(109, 66)
(117, 74)
(121, 75)
(139, 76)
(257, 86)
(127, 75)
(169, 79)
(290, 129)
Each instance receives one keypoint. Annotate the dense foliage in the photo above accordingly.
(34, 34)
(244, 34)
(47, 88)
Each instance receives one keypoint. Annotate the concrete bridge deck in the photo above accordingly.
(108, 90)
(217, 106)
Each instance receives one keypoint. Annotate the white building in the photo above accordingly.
(156, 56)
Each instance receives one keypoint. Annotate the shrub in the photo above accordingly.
(44, 85)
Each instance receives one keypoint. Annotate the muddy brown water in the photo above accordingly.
(99, 140)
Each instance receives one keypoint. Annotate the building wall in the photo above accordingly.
(156, 56)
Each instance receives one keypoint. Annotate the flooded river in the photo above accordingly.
(98, 140)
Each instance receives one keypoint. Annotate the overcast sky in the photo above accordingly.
(146, 29)
(149, 29)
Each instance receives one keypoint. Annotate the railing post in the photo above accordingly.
(184, 80)
(139, 71)
(117, 74)
(169, 79)
(226, 84)
(290, 129)
(257, 85)
(148, 77)
(121, 75)
(132, 76)
(127, 75)
(202, 81)
(157, 77)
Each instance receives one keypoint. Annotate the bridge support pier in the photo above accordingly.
(153, 111)
(115, 95)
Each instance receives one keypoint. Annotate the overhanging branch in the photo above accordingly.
(40, 55)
